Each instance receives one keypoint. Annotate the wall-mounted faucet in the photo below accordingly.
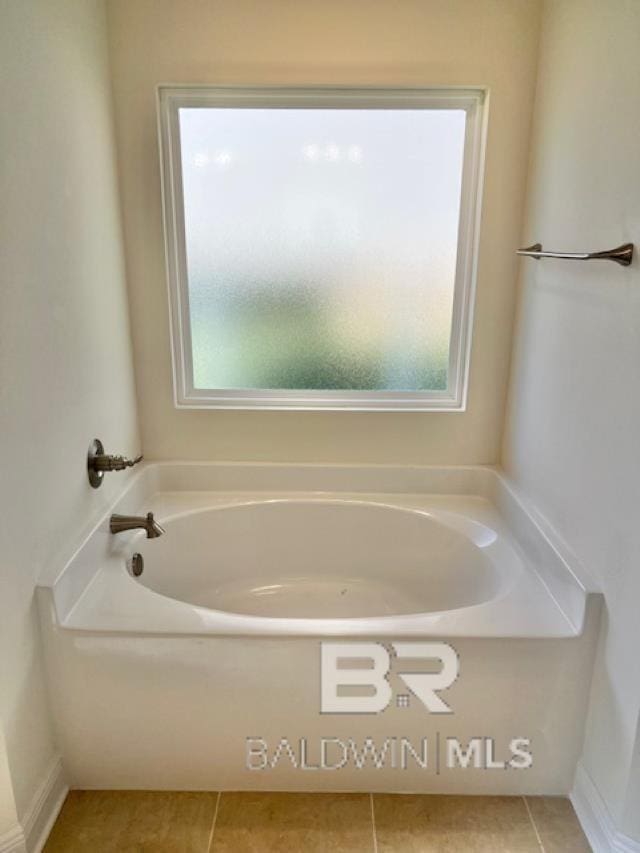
(98, 462)
(120, 523)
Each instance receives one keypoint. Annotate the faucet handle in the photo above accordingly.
(107, 462)
(98, 462)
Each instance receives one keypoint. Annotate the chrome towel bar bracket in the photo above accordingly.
(622, 255)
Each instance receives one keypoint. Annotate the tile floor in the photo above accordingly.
(167, 822)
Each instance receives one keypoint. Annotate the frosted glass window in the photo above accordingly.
(318, 249)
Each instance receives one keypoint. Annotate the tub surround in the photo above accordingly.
(504, 597)
(525, 643)
(531, 588)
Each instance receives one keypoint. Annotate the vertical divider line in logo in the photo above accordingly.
(437, 753)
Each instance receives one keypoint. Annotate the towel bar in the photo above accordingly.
(622, 255)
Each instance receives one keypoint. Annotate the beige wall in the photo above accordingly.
(65, 360)
(572, 436)
(412, 42)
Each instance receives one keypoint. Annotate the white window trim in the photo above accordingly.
(473, 101)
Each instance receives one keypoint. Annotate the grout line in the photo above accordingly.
(213, 822)
(373, 825)
(533, 824)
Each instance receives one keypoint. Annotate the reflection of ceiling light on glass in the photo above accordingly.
(332, 152)
(201, 160)
(222, 159)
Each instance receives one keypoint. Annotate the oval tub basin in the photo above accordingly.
(323, 559)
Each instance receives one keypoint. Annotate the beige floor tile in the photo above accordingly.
(557, 825)
(133, 822)
(408, 823)
(313, 823)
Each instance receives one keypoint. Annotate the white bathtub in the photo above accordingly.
(310, 559)
(219, 639)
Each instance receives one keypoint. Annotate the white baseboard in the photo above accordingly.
(595, 818)
(45, 807)
(30, 835)
(13, 841)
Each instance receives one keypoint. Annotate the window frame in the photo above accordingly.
(474, 101)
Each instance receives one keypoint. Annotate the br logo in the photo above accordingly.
(353, 676)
